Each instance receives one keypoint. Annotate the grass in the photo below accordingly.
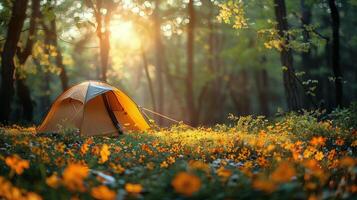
(293, 156)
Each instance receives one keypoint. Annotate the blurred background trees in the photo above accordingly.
(193, 60)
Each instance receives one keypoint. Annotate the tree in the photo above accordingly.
(14, 30)
(190, 99)
(286, 57)
(23, 91)
(335, 54)
(159, 61)
(103, 13)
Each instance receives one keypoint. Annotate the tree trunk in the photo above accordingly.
(239, 87)
(159, 64)
(18, 16)
(286, 58)
(103, 34)
(190, 100)
(23, 91)
(262, 80)
(146, 68)
(335, 19)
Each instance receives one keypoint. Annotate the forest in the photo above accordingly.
(178, 99)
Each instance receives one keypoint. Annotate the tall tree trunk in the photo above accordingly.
(240, 95)
(305, 21)
(262, 81)
(286, 58)
(23, 91)
(18, 16)
(190, 99)
(335, 19)
(103, 34)
(146, 68)
(159, 64)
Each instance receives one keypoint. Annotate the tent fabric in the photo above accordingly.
(82, 107)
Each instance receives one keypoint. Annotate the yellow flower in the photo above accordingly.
(103, 193)
(133, 188)
(186, 183)
(74, 175)
(164, 164)
(283, 173)
(17, 164)
(104, 153)
(84, 148)
(117, 168)
(53, 181)
(319, 155)
(224, 173)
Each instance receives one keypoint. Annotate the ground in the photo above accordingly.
(292, 156)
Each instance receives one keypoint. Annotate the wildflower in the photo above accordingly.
(347, 162)
(84, 148)
(150, 165)
(318, 141)
(339, 142)
(224, 173)
(17, 164)
(104, 153)
(319, 155)
(283, 173)
(32, 196)
(60, 147)
(117, 168)
(74, 175)
(164, 165)
(186, 183)
(53, 181)
(264, 185)
(193, 164)
(103, 193)
(133, 188)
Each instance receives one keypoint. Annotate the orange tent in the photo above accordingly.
(94, 108)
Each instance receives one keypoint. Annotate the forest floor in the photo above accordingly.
(289, 157)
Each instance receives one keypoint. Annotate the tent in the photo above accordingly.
(94, 108)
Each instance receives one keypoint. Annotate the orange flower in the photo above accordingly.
(103, 193)
(186, 183)
(347, 162)
(133, 188)
(53, 181)
(318, 141)
(224, 173)
(17, 164)
(84, 148)
(74, 175)
(283, 173)
(264, 185)
(104, 153)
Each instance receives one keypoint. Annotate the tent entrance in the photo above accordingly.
(111, 114)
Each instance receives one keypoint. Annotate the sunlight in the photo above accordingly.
(123, 33)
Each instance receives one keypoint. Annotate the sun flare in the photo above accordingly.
(124, 33)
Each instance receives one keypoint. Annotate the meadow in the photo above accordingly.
(309, 155)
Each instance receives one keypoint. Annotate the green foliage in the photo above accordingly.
(345, 117)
